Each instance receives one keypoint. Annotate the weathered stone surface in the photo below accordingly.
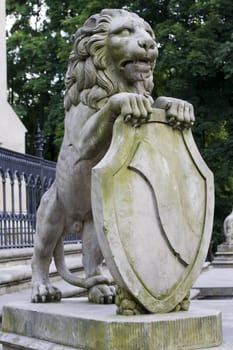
(106, 77)
(12, 341)
(109, 76)
(78, 324)
(153, 202)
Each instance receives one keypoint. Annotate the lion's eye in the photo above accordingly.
(124, 31)
(150, 33)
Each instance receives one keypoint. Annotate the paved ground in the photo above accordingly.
(24, 295)
(216, 282)
(213, 278)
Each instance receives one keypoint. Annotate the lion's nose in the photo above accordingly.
(147, 44)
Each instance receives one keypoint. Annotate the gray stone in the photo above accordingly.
(223, 256)
(80, 325)
(153, 202)
(104, 83)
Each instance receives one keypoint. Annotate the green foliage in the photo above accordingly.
(195, 63)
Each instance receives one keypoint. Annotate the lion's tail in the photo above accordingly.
(64, 272)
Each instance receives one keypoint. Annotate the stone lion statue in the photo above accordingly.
(110, 73)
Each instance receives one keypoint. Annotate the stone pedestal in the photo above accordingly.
(77, 324)
(224, 255)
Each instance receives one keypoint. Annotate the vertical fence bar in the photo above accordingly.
(20, 209)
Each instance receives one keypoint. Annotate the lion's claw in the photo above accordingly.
(44, 293)
(102, 294)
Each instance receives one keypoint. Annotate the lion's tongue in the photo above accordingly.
(137, 71)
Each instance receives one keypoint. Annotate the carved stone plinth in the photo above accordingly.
(224, 255)
(75, 324)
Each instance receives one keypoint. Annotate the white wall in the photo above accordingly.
(12, 130)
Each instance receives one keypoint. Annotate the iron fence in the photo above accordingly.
(23, 180)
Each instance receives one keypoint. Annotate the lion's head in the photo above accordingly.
(114, 51)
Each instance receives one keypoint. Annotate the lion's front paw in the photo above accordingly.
(102, 294)
(127, 305)
(45, 292)
(179, 113)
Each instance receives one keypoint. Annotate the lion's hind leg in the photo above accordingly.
(100, 293)
(49, 228)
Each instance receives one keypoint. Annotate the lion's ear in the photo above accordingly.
(91, 22)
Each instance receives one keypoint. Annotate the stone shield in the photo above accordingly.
(153, 204)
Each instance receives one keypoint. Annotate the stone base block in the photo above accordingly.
(77, 324)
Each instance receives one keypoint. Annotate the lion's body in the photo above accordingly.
(110, 73)
(73, 175)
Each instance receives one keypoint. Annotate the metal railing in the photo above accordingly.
(23, 180)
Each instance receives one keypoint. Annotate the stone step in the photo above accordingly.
(224, 256)
(15, 267)
(22, 256)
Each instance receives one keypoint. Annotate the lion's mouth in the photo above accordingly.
(138, 65)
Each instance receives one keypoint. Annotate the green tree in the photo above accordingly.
(195, 62)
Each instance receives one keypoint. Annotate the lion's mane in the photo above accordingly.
(88, 79)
